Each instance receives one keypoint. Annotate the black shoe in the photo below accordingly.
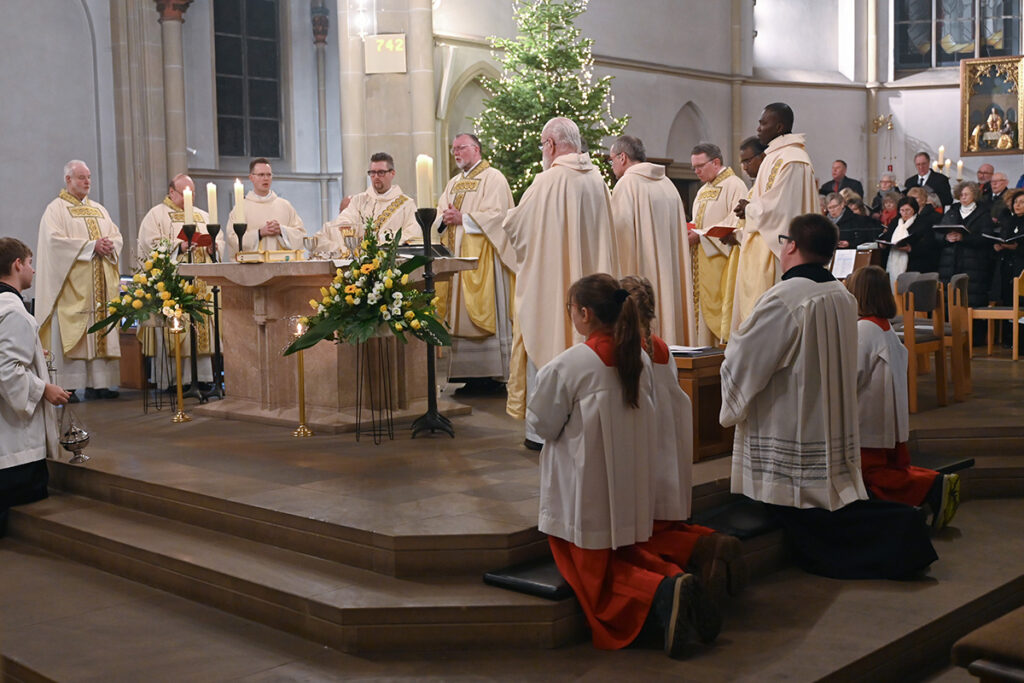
(533, 445)
(91, 394)
(74, 397)
(107, 393)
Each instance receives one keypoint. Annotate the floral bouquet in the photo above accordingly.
(156, 288)
(371, 294)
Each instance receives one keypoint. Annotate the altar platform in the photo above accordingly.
(240, 551)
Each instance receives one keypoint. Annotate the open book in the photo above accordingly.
(719, 231)
(997, 238)
(199, 239)
(950, 228)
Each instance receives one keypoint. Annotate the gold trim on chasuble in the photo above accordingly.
(388, 212)
(80, 209)
(707, 194)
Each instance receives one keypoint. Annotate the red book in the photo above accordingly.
(200, 239)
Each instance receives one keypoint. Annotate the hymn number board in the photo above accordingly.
(385, 53)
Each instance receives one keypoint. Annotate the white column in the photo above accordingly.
(172, 15)
(353, 94)
(421, 79)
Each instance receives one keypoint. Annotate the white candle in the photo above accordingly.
(187, 194)
(947, 166)
(239, 206)
(942, 151)
(211, 201)
(960, 169)
(424, 182)
(935, 166)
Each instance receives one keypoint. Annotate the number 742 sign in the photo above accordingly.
(385, 53)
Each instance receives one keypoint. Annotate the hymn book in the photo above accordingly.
(997, 238)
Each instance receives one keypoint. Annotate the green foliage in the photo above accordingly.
(547, 71)
(370, 295)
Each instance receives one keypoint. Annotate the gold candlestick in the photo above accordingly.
(177, 328)
(299, 329)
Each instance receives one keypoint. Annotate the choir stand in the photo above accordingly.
(193, 388)
(217, 361)
(431, 420)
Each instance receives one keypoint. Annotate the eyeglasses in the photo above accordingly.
(459, 148)
(697, 167)
(785, 238)
(744, 162)
(263, 175)
(544, 142)
(379, 174)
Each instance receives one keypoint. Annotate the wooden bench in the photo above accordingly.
(994, 652)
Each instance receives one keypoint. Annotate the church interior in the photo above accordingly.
(225, 548)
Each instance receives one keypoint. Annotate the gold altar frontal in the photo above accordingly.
(256, 300)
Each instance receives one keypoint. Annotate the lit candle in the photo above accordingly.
(239, 206)
(211, 201)
(947, 166)
(942, 152)
(960, 169)
(187, 194)
(424, 182)
(935, 166)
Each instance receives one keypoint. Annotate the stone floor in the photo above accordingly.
(68, 621)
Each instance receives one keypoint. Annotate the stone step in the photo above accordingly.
(344, 607)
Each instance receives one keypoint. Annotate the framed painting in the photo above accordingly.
(991, 100)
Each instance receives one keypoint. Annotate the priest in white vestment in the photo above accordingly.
(561, 231)
(77, 258)
(384, 202)
(651, 237)
(478, 305)
(165, 221)
(784, 189)
(272, 223)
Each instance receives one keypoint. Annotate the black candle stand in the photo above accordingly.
(217, 391)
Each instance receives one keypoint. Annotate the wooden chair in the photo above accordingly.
(900, 287)
(922, 296)
(994, 313)
(956, 336)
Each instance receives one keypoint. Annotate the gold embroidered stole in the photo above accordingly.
(388, 212)
(81, 209)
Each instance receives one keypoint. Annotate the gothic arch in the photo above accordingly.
(688, 128)
(465, 99)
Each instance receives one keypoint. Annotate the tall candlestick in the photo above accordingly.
(239, 206)
(187, 194)
(424, 182)
(960, 169)
(942, 152)
(211, 202)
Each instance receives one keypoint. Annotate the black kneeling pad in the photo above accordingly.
(743, 518)
(943, 464)
(540, 578)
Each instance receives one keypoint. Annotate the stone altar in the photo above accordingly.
(261, 385)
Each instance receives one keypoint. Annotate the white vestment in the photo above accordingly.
(650, 240)
(259, 210)
(560, 232)
(595, 471)
(73, 286)
(478, 309)
(789, 385)
(881, 387)
(27, 421)
(673, 442)
(390, 212)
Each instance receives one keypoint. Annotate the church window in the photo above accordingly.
(937, 33)
(248, 71)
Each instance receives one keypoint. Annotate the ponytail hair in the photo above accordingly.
(615, 308)
(642, 293)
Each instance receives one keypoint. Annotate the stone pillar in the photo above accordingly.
(172, 15)
(321, 17)
(736, 87)
(353, 96)
(421, 83)
(871, 179)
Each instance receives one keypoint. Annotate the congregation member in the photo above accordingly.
(594, 408)
(908, 243)
(713, 290)
(1009, 256)
(985, 172)
(479, 308)
(783, 191)
(884, 413)
(78, 255)
(967, 250)
(561, 231)
(27, 397)
(889, 208)
(164, 222)
(716, 558)
(651, 236)
(997, 196)
(840, 181)
(789, 386)
(887, 183)
(926, 177)
(272, 223)
(384, 202)
(854, 228)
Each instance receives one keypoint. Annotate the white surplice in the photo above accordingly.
(881, 387)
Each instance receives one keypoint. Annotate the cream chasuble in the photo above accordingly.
(390, 211)
(259, 210)
(784, 189)
(713, 206)
(561, 231)
(650, 240)
(164, 221)
(73, 287)
(477, 303)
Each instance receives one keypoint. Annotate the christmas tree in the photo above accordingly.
(547, 71)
